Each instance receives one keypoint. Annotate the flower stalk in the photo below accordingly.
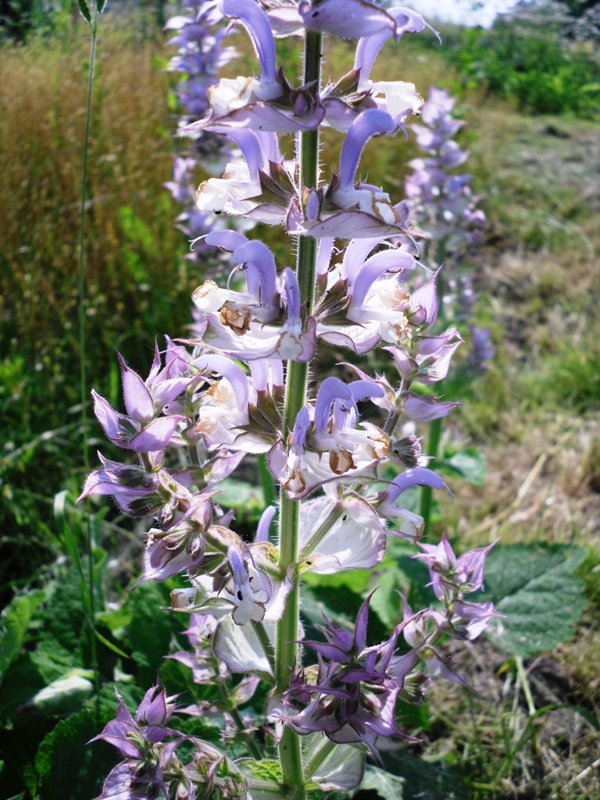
(290, 753)
(241, 386)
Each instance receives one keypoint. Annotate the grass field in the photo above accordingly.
(534, 414)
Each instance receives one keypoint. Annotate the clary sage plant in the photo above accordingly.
(243, 386)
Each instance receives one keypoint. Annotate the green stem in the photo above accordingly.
(266, 480)
(433, 444)
(525, 683)
(81, 279)
(82, 352)
(286, 651)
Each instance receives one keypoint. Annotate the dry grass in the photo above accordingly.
(42, 113)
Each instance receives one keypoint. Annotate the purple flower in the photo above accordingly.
(179, 546)
(267, 103)
(263, 322)
(204, 664)
(146, 743)
(142, 430)
(408, 525)
(442, 204)
(463, 574)
(354, 695)
(331, 446)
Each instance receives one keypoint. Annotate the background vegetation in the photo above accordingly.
(532, 417)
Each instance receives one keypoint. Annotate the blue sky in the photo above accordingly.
(460, 11)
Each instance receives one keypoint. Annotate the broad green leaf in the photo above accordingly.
(357, 580)
(63, 615)
(469, 464)
(117, 620)
(387, 786)
(52, 659)
(150, 631)
(267, 770)
(203, 728)
(13, 626)
(63, 696)
(264, 778)
(68, 767)
(60, 514)
(540, 595)
(385, 601)
(22, 680)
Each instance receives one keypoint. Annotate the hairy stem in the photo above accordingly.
(290, 754)
(266, 480)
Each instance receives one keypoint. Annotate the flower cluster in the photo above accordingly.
(199, 35)
(151, 767)
(442, 204)
(341, 452)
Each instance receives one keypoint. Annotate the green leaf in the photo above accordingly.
(69, 768)
(100, 5)
(22, 680)
(469, 464)
(267, 770)
(13, 626)
(388, 786)
(116, 620)
(264, 776)
(85, 10)
(242, 497)
(52, 659)
(60, 514)
(63, 616)
(535, 587)
(63, 696)
(385, 602)
(151, 630)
